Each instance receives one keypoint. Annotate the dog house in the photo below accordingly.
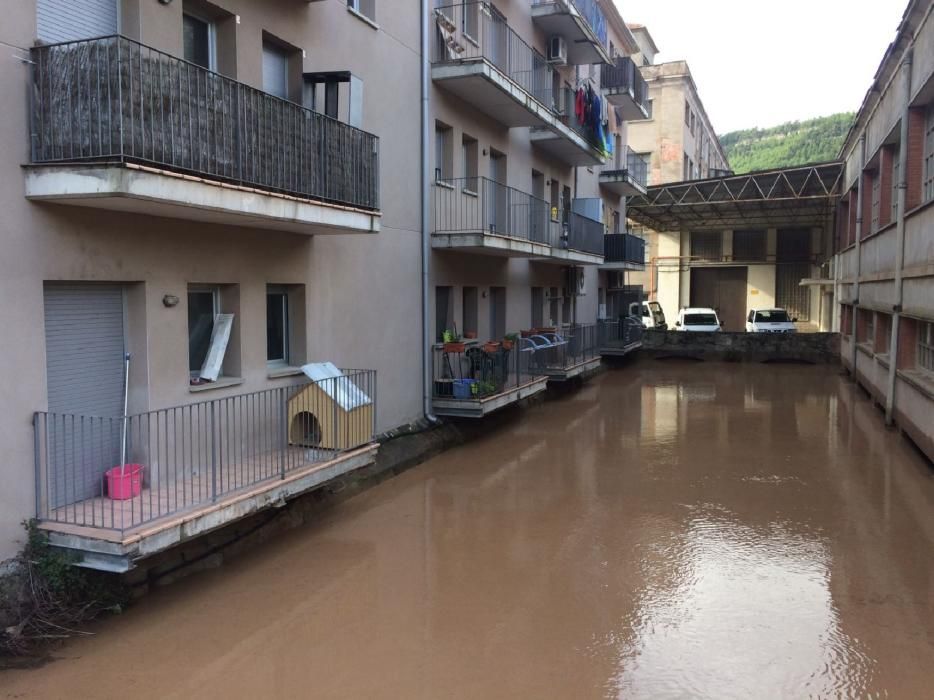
(331, 413)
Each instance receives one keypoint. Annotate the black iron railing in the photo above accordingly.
(585, 234)
(623, 247)
(114, 99)
(471, 31)
(476, 371)
(625, 77)
(625, 332)
(564, 349)
(187, 456)
(631, 164)
(481, 205)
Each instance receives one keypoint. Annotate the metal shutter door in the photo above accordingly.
(69, 20)
(275, 72)
(84, 365)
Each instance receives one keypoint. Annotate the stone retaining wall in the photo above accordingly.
(816, 348)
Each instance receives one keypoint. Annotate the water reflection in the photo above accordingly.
(667, 531)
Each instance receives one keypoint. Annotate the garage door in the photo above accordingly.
(723, 289)
(84, 336)
(70, 20)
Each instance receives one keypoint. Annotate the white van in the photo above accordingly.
(651, 314)
(769, 321)
(698, 319)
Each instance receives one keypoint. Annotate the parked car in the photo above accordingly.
(769, 321)
(697, 319)
(651, 314)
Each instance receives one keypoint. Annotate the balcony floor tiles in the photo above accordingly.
(150, 191)
(106, 534)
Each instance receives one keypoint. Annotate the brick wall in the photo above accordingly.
(915, 165)
(907, 342)
(886, 161)
(883, 333)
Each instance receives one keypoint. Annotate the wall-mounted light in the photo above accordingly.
(169, 300)
(484, 151)
(165, 2)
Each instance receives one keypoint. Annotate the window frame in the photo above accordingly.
(215, 293)
(212, 38)
(927, 188)
(925, 348)
(282, 291)
(357, 7)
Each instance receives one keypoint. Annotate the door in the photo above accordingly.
(84, 336)
(499, 44)
(67, 20)
(724, 290)
(497, 312)
(499, 195)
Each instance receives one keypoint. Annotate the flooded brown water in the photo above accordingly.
(667, 531)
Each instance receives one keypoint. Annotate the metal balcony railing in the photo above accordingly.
(590, 11)
(115, 100)
(631, 163)
(620, 333)
(623, 248)
(625, 76)
(471, 372)
(471, 31)
(565, 348)
(564, 108)
(196, 454)
(585, 234)
(481, 205)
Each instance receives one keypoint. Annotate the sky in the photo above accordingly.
(759, 63)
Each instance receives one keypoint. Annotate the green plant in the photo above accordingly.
(513, 337)
(450, 336)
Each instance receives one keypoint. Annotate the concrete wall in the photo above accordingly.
(818, 348)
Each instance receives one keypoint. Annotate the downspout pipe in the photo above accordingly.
(425, 68)
(899, 238)
(859, 266)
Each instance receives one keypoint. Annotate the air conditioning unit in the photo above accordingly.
(557, 51)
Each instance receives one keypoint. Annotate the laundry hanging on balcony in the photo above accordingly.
(591, 112)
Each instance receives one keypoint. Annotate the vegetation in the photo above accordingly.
(786, 145)
(45, 597)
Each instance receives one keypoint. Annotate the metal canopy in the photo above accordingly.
(798, 196)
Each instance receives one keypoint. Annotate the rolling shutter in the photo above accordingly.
(84, 364)
(70, 20)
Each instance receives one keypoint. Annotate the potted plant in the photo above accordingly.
(510, 340)
(491, 346)
(470, 335)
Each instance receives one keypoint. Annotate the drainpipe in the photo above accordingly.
(899, 238)
(859, 236)
(426, 215)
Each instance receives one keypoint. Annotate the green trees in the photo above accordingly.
(785, 145)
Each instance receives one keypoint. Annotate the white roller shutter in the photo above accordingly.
(70, 20)
(84, 363)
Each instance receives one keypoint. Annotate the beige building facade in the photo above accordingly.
(884, 264)
(236, 187)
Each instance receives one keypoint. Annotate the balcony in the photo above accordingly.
(204, 465)
(478, 215)
(625, 88)
(471, 380)
(480, 59)
(621, 337)
(118, 125)
(582, 25)
(567, 139)
(627, 175)
(623, 251)
(561, 355)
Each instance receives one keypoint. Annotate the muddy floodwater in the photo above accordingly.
(667, 531)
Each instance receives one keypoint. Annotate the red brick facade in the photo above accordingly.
(886, 161)
(915, 165)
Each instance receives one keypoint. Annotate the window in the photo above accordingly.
(555, 199)
(203, 307)
(199, 41)
(693, 124)
(552, 307)
(444, 311)
(707, 245)
(443, 166)
(367, 8)
(875, 204)
(865, 326)
(926, 346)
(469, 162)
(896, 160)
(686, 168)
(538, 307)
(497, 312)
(749, 245)
(929, 155)
(470, 312)
(883, 333)
(277, 325)
(471, 19)
(687, 114)
(275, 70)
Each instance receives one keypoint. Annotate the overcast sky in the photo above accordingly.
(763, 63)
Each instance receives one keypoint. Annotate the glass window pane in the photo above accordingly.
(195, 38)
(275, 71)
(277, 305)
(200, 324)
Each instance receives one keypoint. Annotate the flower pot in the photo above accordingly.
(470, 335)
(454, 347)
(491, 347)
(507, 345)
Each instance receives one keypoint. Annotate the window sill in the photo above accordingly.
(865, 348)
(883, 359)
(362, 17)
(919, 379)
(221, 383)
(446, 185)
(279, 371)
(470, 193)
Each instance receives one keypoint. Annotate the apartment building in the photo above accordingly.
(230, 194)
(884, 262)
(202, 185)
(529, 102)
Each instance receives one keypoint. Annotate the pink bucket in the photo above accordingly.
(126, 482)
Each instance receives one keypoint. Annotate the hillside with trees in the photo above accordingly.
(785, 145)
